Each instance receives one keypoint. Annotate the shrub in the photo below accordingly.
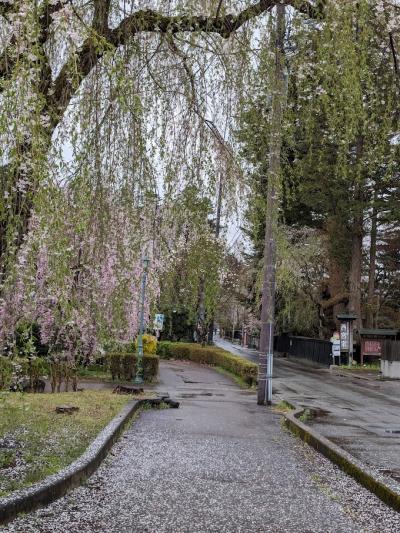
(164, 349)
(149, 344)
(123, 366)
(6, 371)
(35, 367)
(62, 369)
(210, 355)
(27, 340)
(28, 373)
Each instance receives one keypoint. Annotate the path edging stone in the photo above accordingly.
(383, 488)
(57, 485)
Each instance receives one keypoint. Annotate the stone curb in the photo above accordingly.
(56, 485)
(382, 487)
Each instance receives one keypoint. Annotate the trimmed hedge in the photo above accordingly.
(210, 355)
(16, 370)
(123, 366)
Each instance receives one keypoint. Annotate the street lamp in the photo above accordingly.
(139, 355)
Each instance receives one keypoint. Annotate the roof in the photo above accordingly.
(380, 332)
(346, 317)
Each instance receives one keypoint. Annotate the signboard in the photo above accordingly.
(345, 336)
(372, 347)
(159, 322)
(336, 348)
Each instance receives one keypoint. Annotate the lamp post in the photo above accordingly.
(139, 355)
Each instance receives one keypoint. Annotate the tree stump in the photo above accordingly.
(66, 409)
(121, 389)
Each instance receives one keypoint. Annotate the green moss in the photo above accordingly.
(284, 406)
(305, 416)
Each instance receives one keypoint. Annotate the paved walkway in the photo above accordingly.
(218, 464)
(362, 416)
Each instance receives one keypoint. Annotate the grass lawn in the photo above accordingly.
(35, 441)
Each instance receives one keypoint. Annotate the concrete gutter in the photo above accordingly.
(386, 489)
(352, 375)
(55, 486)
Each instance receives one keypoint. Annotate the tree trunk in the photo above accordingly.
(371, 302)
(337, 238)
(217, 230)
(268, 295)
(201, 322)
(355, 271)
(356, 244)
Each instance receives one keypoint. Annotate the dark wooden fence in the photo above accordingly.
(391, 350)
(315, 350)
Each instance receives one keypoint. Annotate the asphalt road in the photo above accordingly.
(362, 416)
(218, 464)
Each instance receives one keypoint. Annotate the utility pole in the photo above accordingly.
(265, 367)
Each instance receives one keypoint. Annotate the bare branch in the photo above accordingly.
(218, 9)
(394, 54)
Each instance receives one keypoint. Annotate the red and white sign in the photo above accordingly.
(372, 347)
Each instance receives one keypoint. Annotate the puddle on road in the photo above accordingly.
(394, 474)
(195, 394)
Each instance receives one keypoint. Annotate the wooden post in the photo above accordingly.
(264, 394)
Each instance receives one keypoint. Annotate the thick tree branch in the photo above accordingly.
(394, 54)
(151, 21)
(339, 298)
(101, 14)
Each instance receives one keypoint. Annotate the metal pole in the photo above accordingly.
(270, 365)
(350, 344)
(139, 356)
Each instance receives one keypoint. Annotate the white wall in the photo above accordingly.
(390, 369)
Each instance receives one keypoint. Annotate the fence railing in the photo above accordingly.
(315, 350)
(391, 350)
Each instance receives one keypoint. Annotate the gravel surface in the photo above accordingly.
(218, 464)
